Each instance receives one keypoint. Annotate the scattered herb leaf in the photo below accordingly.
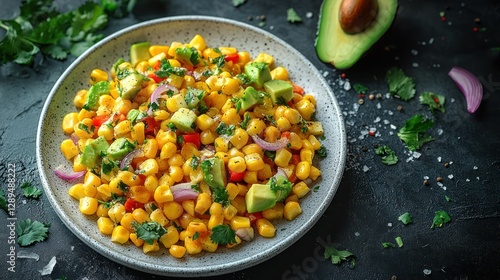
(413, 132)
(30, 191)
(388, 244)
(223, 235)
(434, 101)
(322, 152)
(292, 16)
(448, 199)
(388, 156)
(148, 231)
(360, 89)
(400, 84)
(399, 241)
(337, 256)
(441, 217)
(406, 218)
(29, 232)
(238, 3)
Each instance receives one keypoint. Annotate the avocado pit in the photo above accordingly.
(357, 15)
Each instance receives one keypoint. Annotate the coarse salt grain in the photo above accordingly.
(475, 167)
(366, 168)
(309, 15)
(450, 176)
(439, 159)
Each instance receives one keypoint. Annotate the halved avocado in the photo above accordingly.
(343, 49)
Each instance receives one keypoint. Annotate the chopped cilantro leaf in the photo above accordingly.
(244, 78)
(388, 156)
(220, 195)
(246, 119)
(413, 132)
(448, 199)
(292, 16)
(399, 241)
(166, 69)
(434, 101)
(400, 84)
(3, 200)
(148, 231)
(322, 152)
(223, 235)
(195, 162)
(224, 129)
(122, 186)
(406, 218)
(113, 200)
(337, 256)
(30, 191)
(29, 232)
(388, 244)
(360, 89)
(281, 187)
(440, 218)
(238, 3)
(270, 154)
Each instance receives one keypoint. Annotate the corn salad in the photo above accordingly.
(191, 147)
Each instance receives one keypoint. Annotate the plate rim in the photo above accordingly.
(213, 270)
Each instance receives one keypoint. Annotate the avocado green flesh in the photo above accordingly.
(219, 172)
(258, 72)
(184, 120)
(139, 52)
(251, 97)
(259, 198)
(280, 91)
(119, 148)
(92, 152)
(130, 86)
(341, 49)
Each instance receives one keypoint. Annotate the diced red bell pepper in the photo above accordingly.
(97, 121)
(236, 176)
(192, 138)
(295, 159)
(298, 89)
(151, 125)
(285, 134)
(254, 216)
(155, 77)
(232, 57)
(131, 205)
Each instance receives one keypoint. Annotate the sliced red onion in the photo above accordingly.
(129, 157)
(469, 85)
(68, 176)
(279, 144)
(74, 138)
(280, 172)
(180, 187)
(181, 195)
(156, 94)
(246, 234)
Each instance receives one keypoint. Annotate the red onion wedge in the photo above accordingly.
(68, 176)
(129, 157)
(246, 234)
(278, 145)
(183, 191)
(156, 94)
(469, 85)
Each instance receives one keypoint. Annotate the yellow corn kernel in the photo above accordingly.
(265, 173)
(172, 210)
(221, 145)
(271, 134)
(106, 131)
(302, 170)
(136, 240)
(237, 164)
(228, 50)
(176, 173)
(292, 210)
(168, 150)
(176, 102)
(230, 116)
(77, 191)
(254, 162)
(166, 180)
(116, 212)
(137, 133)
(204, 122)
(316, 144)
(149, 167)
(292, 197)
(98, 75)
(90, 190)
(232, 190)
(280, 111)
(315, 173)
(193, 246)
(150, 183)
(102, 210)
(295, 142)
(140, 215)
(230, 212)
(120, 235)
(283, 124)
(265, 228)
(147, 248)
(264, 57)
(163, 194)
(240, 204)
(252, 148)
(172, 48)
(215, 220)
(216, 209)
(239, 138)
(214, 83)
(239, 222)
(306, 155)
(255, 126)
(230, 87)
(209, 246)
(84, 129)
(216, 100)
(170, 238)
(80, 98)
(292, 115)
(105, 225)
(188, 206)
(122, 105)
(158, 216)
(129, 178)
(69, 149)
(150, 148)
(88, 205)
(177, 251)
(161, 115)
(189, 82)
(203, 203)
(153, 61)
(142, 66)
(122, 128)
(233, 152)
(305, 108)
(306, 144)
(300, 189)
(283, 157)
(243, 58)
(175, 80)
(69, 122)
(279, 73)
(198, 42)
(104, 192)
(250, 177)
(189, 150)
(157, 49)
(84, 114)
(275, 212)
(310, 98)
(127, 220)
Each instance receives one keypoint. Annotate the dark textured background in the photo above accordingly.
(371, 196)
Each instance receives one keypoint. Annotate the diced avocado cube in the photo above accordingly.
(95, 91)
(189, 55)
(259, 197)
(130, 85)
(193, 97)
(184, 120)
(93, 151)
(215, 176)
(258, 72)
(139, 52)
(280, 91)
(250, 97)
(120, 148)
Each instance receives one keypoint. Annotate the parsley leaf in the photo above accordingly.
(434, 101)
(113, 200)
(148, 231)
(29, 232)
(337, 256)
(238, 3)
(388, 156)
(360, 89)
(388, 244)
(30, 191)
(292, 16)
(3, 200)
(246, 120)
(405, 218)
(400, 84)
(223, 235)
(166, 69)
(220, 195)
(413, 132)
(224, 129)
(322, 152)
(440, 218)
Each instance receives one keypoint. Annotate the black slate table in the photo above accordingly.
(364, 213)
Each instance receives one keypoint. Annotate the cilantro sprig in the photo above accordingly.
(223, 235)
(434, 101)
(413, 133)
(387, 155)
(30, 191)
(29, 232)
(337, 256)
(400, 84)
(148, 231)
(441, 217)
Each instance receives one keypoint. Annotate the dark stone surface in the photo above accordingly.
(365, 210)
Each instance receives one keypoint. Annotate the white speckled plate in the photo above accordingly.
(217, 32)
